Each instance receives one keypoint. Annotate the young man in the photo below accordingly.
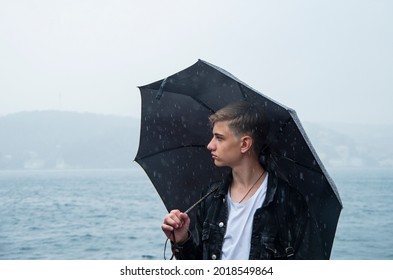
(250, 215)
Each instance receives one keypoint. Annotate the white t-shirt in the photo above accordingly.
(237, 239)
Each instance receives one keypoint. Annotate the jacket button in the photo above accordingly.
(223, 200)
(221, 224)
(214, 257)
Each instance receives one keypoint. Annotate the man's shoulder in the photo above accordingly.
(221, 186)
(285, 189)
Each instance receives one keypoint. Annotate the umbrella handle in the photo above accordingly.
(200, 200)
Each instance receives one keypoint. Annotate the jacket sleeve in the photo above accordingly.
(192, 248)
(306, 242)
(188, 250)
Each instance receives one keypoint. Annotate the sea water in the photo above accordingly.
(365, 228)
(117, 214)
(79, 214)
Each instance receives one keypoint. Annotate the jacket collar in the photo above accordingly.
(224, 186)
(272, 183)
(271, 188)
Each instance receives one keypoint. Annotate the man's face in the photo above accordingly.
(225, 145)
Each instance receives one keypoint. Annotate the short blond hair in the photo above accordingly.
(244, 118)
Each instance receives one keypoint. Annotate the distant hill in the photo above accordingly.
(55, 139)
(59, 140)
(349, 145)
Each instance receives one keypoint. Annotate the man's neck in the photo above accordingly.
(244, 175)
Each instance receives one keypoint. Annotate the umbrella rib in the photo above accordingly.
(168, 150)
(296, 162)
(161, 90)
(196, 99)
(202, 103)
(280, 134)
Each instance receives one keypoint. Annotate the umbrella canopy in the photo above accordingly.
(175, 131)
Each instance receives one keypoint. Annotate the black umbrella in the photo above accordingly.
(175, 131)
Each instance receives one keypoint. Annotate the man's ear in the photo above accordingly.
(246, 143)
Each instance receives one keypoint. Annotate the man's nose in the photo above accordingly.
(210, 145)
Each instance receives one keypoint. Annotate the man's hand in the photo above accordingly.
(178, 223)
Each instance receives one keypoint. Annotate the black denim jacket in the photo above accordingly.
(269, 238)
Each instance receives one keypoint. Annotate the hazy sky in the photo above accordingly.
(329, 60)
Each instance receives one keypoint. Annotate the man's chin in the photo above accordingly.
(218, 163)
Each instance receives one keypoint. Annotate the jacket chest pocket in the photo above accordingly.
(205, 233)
(270, 249)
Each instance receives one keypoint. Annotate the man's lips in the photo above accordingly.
(214, 156)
